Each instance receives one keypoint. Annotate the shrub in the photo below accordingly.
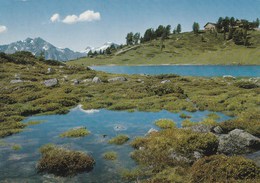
(119, 140)
(111, 155)
(220, 168)
(78, 132)
(63, 162)
(165, 123)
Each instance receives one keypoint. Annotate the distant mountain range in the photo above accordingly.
(102, 48)
(38, 45)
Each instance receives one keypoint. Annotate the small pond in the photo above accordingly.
(186, 70)
(19, 165)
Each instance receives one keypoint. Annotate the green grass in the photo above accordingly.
(119, 140)
(165, 123)
(110, 155)
(73, 133)
(184, 48)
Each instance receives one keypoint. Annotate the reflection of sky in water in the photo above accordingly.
(17, 166)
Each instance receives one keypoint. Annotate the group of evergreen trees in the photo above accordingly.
(235, 29)
(108, 51)
(161, 32)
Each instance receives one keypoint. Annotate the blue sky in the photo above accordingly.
(82, 23)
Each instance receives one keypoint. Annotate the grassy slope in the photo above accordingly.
(185, 48)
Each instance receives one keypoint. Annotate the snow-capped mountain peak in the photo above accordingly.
(37, 46)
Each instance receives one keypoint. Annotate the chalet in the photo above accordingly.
(210, 26)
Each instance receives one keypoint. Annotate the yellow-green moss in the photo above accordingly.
(165, 123)
(16, 147)
(110, 155)
(221, 168)
(78, 132)
(63, 162)
(119, 140)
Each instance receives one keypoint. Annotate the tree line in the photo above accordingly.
(161, 32)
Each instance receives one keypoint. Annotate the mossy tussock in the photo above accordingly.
(110, 155)
(119, 140)
(165, 123)
(221, 168)
(75, 132)
(62, 162)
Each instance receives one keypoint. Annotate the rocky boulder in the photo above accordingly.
(50, 82)
(238, 142)
(96, 80)
(117, 79)
(50, 70)
(201, 128)
(166, 81)
(16, 81)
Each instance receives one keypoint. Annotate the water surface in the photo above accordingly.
(19, 166)
(185, 70)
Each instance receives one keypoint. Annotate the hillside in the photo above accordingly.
(184, 48)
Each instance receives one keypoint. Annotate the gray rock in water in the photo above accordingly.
(166, 81)
(238, 142)
(16, 81)
(117, 79)
(152, 130)
(218, 130)
(96, 80)
(201, 128)
(50, 82)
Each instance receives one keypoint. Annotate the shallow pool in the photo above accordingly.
(19, 166)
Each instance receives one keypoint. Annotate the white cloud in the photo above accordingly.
(89, 16)
(70, 19)
(55, 17)
(3, 29)
(86, 16)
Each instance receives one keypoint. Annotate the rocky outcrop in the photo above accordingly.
(238, 142)
(201, 128)
(16, 81)
(166, 81)
(96, 80)
(50, 82)
(117, 79)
